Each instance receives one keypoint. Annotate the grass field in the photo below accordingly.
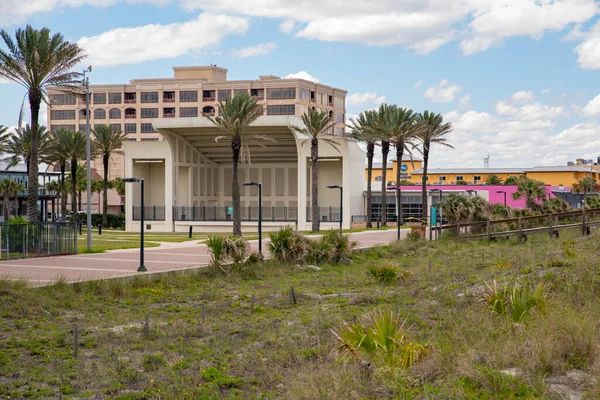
(544, 346)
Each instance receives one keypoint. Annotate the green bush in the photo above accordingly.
(319, 251)
(414, 236)
(288, 246)
(383, 273)
(341, 245)
(234, 250)
(20, 234)
(115, 221)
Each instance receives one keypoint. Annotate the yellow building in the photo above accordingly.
(408, 166)
(552, 175)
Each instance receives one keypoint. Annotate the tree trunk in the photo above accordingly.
(63, 192)
(35, 99)
(6, 207)
(385, 149)
(236, 146)
(74, 186)
(424, 182)
(80, 202)
(105, 159)
(370, 155)
(399, 155)
(314, 159)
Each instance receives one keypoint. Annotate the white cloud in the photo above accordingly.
(419, 84)
(588, 51)
(545, 91)
(522, 96)
(287, 26)
(17, 11)
(503, 108)
(593, 107)
(131, 45)
(442, 92)
(262, 49)
(575, 34)
(302, 75)
(360, 99)
(465, 101)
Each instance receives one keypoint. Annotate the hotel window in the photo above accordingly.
(153, 139)
(99, 113)
(330, 100)
(305, 94)
(114, 113)
(169, 97)
(99, 98)
(149, 112)
(339, 102)
(224, 94)
(188, 112)
(239, 91)
(130, 113)
(209, 95)
(459, 178)
(168, 112)
(339, 117)
(130, 97)
(476, 178)
(378, 179)
(63, 99)
(442, 178)
(188, 96)
(54, 128)
(281, 94)
(210, 110)
(114, 98)
(131, 139)
(258, 93)
(149, 97)
(62, 114)
(281, 110)
(82, 113)
(339, 131)
(116, 127)
(130, 128)
(147, 128)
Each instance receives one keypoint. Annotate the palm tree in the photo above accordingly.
(19, 145)
(586, 185)
(431, 129)
(58, 156)
(493, 179)
(9, 188)
(532, 190)
(385, 137)
(56, 186)
(37, 60)
(400, 127)
(108, 140)
(366, 129)
(317, 126)
(73, 145)
(236, 115)
(4, 137)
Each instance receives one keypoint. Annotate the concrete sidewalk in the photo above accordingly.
(120, 263)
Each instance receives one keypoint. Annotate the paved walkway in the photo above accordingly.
(120, 263)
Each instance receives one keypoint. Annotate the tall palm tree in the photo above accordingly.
(19, 145)
(236, 115)
(586, 185)
(56, 186)
(9, 188)
(108, 140)
(74, 146)
(532, 190)
(36, 60)
(400, 127)
(57, 155)
(431, 129)
(366, 129)
(317, 126)
(4, 138)
(385, 137)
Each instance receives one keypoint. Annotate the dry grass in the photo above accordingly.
(283, 351)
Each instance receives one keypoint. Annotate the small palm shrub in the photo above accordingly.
(233, 250)
(319, 251)
(218, 249)
(387, 273)
(516, 303)
(414, 236)
(341, 245)
(288, 246)
(381, 338)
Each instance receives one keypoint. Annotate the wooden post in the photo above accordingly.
(489, 233)
(75, 341)
(520, 229)
(551, 225)
(203, 313)
(292, 296)
(583, 227)
(252, 305)
(457, 230)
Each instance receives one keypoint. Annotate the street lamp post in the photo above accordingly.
(142, 267)
(341, 202)
(504, 193)
(259, 212)
(86, 82)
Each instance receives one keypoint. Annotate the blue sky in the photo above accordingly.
(517, 78)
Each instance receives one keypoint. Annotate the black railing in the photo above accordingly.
(38, 239)
(219, 213)
(326, 214)
(151, 213)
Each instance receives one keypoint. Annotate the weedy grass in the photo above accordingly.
(430, 336)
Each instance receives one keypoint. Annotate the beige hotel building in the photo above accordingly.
(187, 173)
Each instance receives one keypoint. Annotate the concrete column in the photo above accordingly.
(302, 190)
